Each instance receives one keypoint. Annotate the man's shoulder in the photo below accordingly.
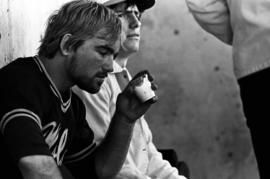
(22, 83)
(19, 70)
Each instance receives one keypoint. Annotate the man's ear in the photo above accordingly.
(64, 48)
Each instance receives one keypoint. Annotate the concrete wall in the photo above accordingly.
(198, 112)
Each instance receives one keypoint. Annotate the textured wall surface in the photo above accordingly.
(198, 112)
(21, 25)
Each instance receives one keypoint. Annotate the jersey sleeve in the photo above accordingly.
(23, 136)
(20, 123)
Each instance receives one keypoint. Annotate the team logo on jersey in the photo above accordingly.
(56, 137)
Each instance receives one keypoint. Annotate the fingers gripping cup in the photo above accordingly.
(144, 90)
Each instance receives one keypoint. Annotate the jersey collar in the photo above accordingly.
(64, 105)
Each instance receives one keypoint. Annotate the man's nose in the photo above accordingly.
(108, 65)
(134, 21)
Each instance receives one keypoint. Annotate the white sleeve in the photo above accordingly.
(213, 16)
(158, 168)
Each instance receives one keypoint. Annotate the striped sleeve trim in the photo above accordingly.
(18, 113)
(80, 155)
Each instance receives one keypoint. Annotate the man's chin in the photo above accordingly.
(94, 89)
(133, 48)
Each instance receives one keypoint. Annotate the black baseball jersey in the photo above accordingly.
(36, 120)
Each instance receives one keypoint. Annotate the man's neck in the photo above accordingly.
(122, 58)
(122, 62)
(56, 70)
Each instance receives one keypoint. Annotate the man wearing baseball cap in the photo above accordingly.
(141, 4)
(143, 160)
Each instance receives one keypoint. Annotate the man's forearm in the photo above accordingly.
(111, 154)
(39, 166)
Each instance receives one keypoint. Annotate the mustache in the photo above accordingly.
(102, 74)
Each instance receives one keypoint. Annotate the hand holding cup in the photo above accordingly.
(137, 97)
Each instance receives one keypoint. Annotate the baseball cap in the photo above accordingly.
(141, 4)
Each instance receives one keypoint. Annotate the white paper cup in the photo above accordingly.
(144, 90)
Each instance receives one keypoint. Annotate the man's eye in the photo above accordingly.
(128, 14)
(103, 53)
(138, 15)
